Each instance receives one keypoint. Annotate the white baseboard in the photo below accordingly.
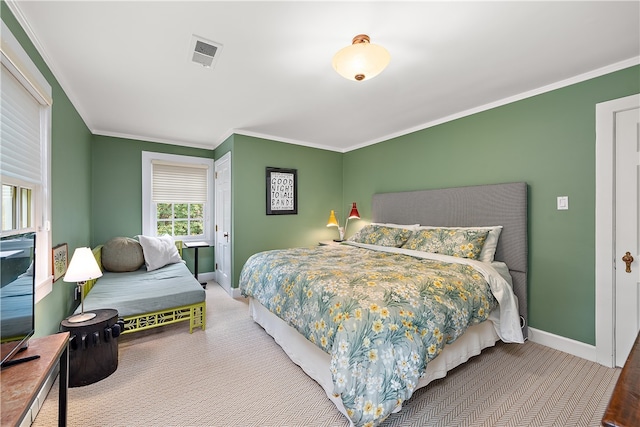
(206, 277)
(567, 345)
(233, 292)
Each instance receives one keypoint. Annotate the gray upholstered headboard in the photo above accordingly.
(482, 205)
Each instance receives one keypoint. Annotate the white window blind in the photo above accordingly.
(25, 149)
(20, 155)
(179, 183)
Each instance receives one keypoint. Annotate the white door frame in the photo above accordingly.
(229, 289)
(605, 231)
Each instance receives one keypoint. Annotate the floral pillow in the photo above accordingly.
(448, 241)
(490, 245)
(381, 235)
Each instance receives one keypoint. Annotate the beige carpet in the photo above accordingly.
(233, 374)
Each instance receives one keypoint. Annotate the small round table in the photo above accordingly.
(93, 347)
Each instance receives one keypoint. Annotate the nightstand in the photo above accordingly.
(93, 347)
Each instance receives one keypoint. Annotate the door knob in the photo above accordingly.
(628, 259)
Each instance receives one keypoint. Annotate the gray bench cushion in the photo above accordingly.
(142, 291)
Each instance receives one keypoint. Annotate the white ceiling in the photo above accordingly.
(126, 65)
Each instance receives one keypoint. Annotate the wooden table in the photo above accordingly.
(21, 383)
(624, 407)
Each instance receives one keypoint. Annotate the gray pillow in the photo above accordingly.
(122, 254)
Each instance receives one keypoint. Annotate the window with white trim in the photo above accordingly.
(25, 161)
(177, 196)
(17, 206)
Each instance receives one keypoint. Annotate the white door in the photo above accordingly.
(627, 278)
(223, 221)
(609, 264)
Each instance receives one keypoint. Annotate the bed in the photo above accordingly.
(372, 323)
(146, 298)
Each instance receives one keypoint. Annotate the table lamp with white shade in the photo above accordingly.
(83, 267)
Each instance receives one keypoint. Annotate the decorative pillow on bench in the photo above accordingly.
(122, 254)
(159, 251)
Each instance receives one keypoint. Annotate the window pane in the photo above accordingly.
(181, 228)
(197, 228)
(165, 227)
(181, 211)
(8, 207)
(25, 208)
(164, 210)
(197, 210)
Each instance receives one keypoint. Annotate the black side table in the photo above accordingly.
(196, 246)
(93, 347)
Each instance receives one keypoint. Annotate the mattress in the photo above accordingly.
(142, 291)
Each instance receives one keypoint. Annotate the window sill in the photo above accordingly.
(43, 288)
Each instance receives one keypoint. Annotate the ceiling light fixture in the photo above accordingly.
(362, 60)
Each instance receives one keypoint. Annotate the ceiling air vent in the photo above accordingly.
(204, 52)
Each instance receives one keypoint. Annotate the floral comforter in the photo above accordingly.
(380, 315)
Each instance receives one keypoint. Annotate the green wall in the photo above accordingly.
(116, 205)
(71, 182)
(547, 141)
(319, 175)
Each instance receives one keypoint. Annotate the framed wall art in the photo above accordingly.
(60, 261)
(282, 191)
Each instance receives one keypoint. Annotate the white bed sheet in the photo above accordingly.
(315, 362)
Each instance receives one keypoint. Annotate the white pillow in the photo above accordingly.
(159, 251)
(490, 245)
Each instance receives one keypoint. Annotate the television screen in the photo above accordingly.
(17, 286)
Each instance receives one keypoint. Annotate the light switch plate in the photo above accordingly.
(563, 203)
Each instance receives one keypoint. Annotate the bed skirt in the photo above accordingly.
(315, 362)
